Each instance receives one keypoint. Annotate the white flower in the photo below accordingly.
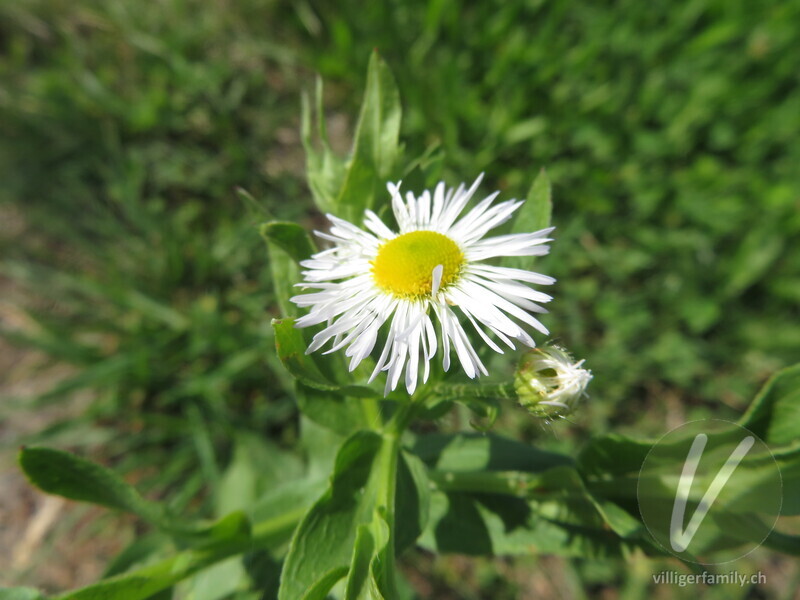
(549, 383)
(433, 266)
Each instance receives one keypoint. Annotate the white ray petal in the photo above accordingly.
(340, 292)
(436, 279)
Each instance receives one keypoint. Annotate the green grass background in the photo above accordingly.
(670, 130)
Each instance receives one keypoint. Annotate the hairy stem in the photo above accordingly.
(387, 484)
(493, 391)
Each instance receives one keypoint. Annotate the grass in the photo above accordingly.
(670, 133)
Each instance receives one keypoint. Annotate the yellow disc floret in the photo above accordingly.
(404, 265)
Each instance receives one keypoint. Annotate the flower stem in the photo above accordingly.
(493, 391)
(370, 408)
(387, 461)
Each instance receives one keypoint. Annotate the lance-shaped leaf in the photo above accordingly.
(346, 534)
(321, 550)
(278, 514)
(370, 550)
(375, 147)
(20, 593)
(338, 413)
(774, 414)
(289, 237)
(147, 581)
(547, 512)
(292, 347)
(476, 452)
(532, 216)
(70, 476)
(288, 244)
(413, 500)
(499, 495)
(347, 187)
(324, 170)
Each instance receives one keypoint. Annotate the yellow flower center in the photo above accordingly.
(404, 265)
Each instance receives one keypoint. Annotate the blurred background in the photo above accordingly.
(135, 291)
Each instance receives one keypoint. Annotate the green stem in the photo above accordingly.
(370, 408)
(387, 483)
(385, 503)
(272, 532)
(492, 391)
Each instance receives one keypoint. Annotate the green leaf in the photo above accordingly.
(371, 576)
(291, 347)
(227, 539)
(413, 500)
(338, 413)
(147, 581)
(611, 467)
(70, 476)
(382, 584)
(375, 146)
(473, 452)
(347, 532)
(738, 529)
(754, 256)
(288, 244)
(774, 414)
(319, 591)
(231, 528)
(783, 542)
(256, 208)
(359, 574)
(219, 580)
(239, 484)
(496, 495)
(257, 466)
(789, 465)
(320, 444)
(289, 237)
(287, 503)
(138, 551)
(533, 215)
(285, 273)
(322, 546)
(560, 518)
(325, 171)
(20, 593)
(613, 455)
(626, 524)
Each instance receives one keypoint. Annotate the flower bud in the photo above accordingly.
(548, 383)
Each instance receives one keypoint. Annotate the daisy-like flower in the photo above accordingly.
(549, 383)
(432, 271)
